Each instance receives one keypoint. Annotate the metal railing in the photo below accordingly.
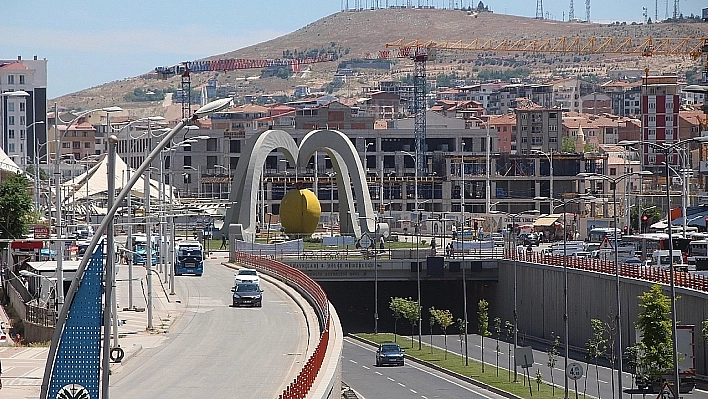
(302, 384)
(650, 273)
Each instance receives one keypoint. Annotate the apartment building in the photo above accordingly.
(625, 96)
(660, 118)
(23, 138)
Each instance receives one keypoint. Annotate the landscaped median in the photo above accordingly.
(496, 379)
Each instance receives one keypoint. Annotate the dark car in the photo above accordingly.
(389, 353)
(247, 294)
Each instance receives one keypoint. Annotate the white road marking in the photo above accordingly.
(390, 379)
(353, 361)
(366, 367)
(413, 391)
(401, 385)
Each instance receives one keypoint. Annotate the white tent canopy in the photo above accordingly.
(7, 165)
(95, 181)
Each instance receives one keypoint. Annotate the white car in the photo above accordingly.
(247, 276)
(498, 239)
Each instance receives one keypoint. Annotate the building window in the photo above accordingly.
(235, 146)
(22, 120)
(10, 120)
(212, 144)
(536, 140)
(524, 139)
(76, 145)
(22, 107)
(10, 107)
(65, 145)
(552, 139)
(87, 145)
(11, 79)
(187, 160)
(11, 147)
(22, 134)
(613, 171)
(22, 79)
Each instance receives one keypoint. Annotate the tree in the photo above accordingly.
(411, 312)
(655, 350)
(396, 305)
(15, 207)
(553, 358)
(509, 334)
(444, 320)
(483, 324)
(568, 145)
(461, 329)
(498, 330)
(594, 348)
(432, 324)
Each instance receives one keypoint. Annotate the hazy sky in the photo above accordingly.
(88, 43)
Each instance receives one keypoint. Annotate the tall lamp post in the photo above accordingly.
(668, 149)
(57, 187)
(331, 202)
(566, 334)
(212, 107)
(417, 254)
(618, 319)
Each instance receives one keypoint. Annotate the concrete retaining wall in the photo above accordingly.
(591, 295)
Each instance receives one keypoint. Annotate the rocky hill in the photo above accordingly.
(357, 34)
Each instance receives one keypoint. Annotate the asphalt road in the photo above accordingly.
(215, 350)
(410, 381)
(355, 357)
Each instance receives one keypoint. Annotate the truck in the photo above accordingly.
(686, 364)
(189, 258)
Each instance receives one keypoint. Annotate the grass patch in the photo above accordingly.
(500, 378)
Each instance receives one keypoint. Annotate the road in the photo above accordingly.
(358, 357)
(409, 381)
(218, 350)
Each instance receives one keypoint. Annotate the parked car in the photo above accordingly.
(530, 239)
(633, 262)
(582, 254)
(389, 353)
(247, 294)
(498, 239)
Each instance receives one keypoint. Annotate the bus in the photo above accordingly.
(189, 258)
(646, 243)
(698, 254)
(139, 248)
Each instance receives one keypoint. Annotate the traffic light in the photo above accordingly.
(476, 224)
(645, 219)
(625, 229)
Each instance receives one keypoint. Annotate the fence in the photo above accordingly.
(655, 274)
(304, 381)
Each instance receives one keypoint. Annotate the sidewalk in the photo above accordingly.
(23, 367)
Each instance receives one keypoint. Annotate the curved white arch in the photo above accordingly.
(346, 162)
(249, 174)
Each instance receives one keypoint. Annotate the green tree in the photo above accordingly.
(553, 358)
(654, 351)
(411, 312)
(568, 145)
(653, 215)
(15, 207)
(461, 329)
(483, 324)
(397, 306)
(509, 334)
(432, 324)
(444, 320)
(704, 330)
(539, 379)
(497, 330)
(594, 348)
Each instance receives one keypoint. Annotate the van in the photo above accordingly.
(567, 248)
(660, 258)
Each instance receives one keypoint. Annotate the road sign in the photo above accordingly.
(365, 241)
(41, 232)
(666, 392)
(606, 244)
(574, 371)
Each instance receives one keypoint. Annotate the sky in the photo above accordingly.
(88, 42)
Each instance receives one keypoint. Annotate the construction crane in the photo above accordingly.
(422, 51)
(185, 69)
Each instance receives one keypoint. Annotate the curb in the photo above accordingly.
(448, 372)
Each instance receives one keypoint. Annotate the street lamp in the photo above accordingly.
(613, 185)
(57, 184)
(207, 109)
(667, 149)
(417, 250)
(566, 337)
(548, 156)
